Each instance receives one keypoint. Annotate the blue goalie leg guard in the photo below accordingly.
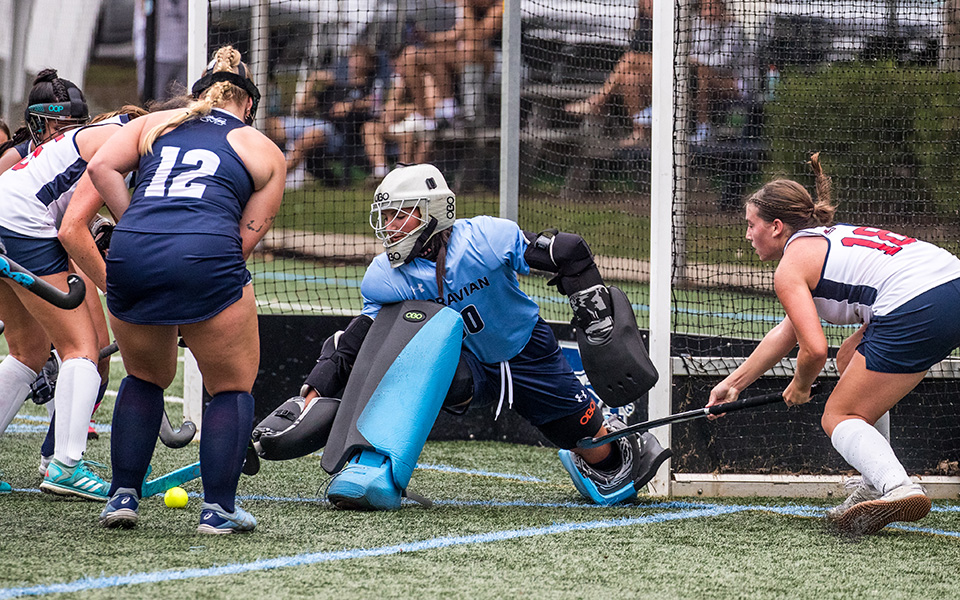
(640, 459)
(401, 377)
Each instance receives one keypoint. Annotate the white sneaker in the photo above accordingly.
(904, 503)
(862, 492)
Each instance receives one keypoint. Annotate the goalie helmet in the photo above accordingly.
(418, 191)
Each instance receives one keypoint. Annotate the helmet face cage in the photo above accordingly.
(386, 217)
(43, 126)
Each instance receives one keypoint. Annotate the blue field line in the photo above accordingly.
(92, 583)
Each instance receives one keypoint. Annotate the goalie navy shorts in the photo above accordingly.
(915, 336)
(40, 256)
(544, 386)
(173, 279)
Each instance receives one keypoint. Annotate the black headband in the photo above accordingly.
(243, 83)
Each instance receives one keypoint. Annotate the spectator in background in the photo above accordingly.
(630, 84)
(328, 110)
(718, 63)
(169, 37)
(401, 123)
(4, 132)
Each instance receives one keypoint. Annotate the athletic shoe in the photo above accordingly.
(5, 488)
(121, 510)
(904, 503)
(44, 463)
(215, 520)
(75, 481)
(862, 492)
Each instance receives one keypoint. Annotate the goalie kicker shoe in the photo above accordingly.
(77, 481)
(121, 510)
(862, 492)
(640, 456)
(904, 503)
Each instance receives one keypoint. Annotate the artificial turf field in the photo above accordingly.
(506, 523)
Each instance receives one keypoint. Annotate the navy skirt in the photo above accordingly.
(173, 278)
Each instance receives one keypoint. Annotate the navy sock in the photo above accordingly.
(46, 448)
(136, 424)
(227, 424)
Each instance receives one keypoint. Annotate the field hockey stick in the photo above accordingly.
(172, 479)
(698, 413)
(171, 438)
(65, 300)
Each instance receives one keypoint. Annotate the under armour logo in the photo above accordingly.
(417, 288)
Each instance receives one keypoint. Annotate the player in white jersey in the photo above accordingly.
(34, 193)
(52, 107)
(902, 292)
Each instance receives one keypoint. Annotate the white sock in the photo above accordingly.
(15, 380)
(867, 451)
(75, 396)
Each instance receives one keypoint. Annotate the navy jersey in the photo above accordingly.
(484, 255)
(192, 182)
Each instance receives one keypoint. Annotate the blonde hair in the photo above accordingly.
(127, 109)
(790, 202)
(218, 94)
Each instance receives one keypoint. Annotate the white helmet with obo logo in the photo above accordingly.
(416, 191)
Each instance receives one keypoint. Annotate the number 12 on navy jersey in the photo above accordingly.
(190, 165)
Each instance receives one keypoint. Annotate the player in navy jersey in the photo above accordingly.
(208, 189)
(901, 291)
(35, 193)
(509, 354)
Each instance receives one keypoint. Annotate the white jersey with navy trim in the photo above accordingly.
(34, 193)
(870, 271)
(484, 255)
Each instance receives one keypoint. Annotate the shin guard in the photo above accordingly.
(407, 361)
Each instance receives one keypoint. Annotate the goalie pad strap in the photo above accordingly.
(619, 368)
(329, 376)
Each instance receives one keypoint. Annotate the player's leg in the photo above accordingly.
(550, 396)
(150, 358)
(228, 419)
(74, 335)
(28, 348)
(860, 398)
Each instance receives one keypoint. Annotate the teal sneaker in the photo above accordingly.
(77, 481)
(121, 511)
(5, 488)
(215, 520)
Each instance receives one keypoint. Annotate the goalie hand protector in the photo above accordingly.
(640, 457)
(337, 356)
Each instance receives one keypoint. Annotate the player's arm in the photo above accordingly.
(772, 348)
(9, 158)
(75, 234)
(116, 157)
(266, 165)
(797, 274)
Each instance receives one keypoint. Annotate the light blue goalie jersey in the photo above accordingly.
(484, 256)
